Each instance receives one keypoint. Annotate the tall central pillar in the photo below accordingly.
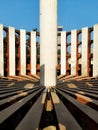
(48, 42)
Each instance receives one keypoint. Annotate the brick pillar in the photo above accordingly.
(33, 52)
(11, 40)
(84, 52)
(73, 51)
(95, 51)
(63, 53)
(22, 52)
(1, 51)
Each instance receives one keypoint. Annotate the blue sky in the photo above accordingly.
(72, 14)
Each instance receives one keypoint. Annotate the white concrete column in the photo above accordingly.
(84, 61)
(33, 52)
(63, 53)
(11, 40)
(95, 51)
(1, 51)
(73, 51)
(22, 52)
(48, 42)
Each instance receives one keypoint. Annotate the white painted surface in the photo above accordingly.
(80, 61)
(11, 40)
(63, 52)
(69, 60)
(22, 52)
(33, 52)
(73, 51)
(1, 51)
(84, 52)
(48, 42)
(95, 51)
(59, 40)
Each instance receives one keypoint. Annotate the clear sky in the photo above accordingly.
(72, 14)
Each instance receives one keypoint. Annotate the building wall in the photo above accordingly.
(78, 50)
